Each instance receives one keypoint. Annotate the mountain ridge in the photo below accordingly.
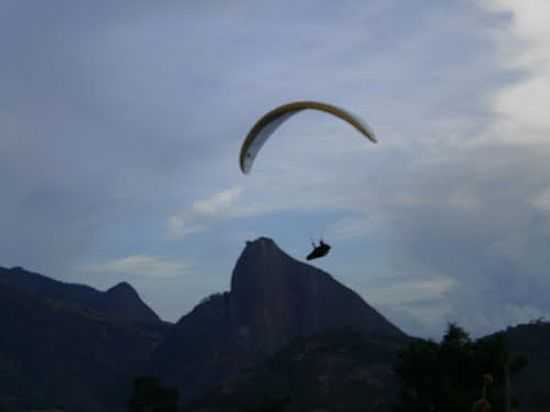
(54, 352)
(120, 303)
(282, 320)
(274, 298)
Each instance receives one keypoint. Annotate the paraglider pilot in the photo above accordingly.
(319, 251)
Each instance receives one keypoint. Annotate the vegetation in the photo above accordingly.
(531, 385)
(338, 371)
(150, 396)
(452, 375)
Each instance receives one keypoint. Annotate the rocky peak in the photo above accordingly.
(123, 301)
(261, 248)
(123, 289)
(260, 264)
(276, 297)
(120, 303)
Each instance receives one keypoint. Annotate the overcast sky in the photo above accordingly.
(121, 123)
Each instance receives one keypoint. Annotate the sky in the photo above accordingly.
(121, 124)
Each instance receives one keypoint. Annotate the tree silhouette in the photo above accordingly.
(270, 405)
(150, 396)
(447, 376)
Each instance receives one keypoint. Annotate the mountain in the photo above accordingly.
(64, 344)
(273, 299)
(285, 334)
(531, 386)
(342, 371)
(120, 303)
(336, 371)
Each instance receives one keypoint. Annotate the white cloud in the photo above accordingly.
(498, 317)
(352, 227)
(204, 212)
(219, 204)
(420, 306)
(180, 226)
(542, 200)
(413, 291)
(464, 199)
(348, 228)
(522, 107)
(142, 265)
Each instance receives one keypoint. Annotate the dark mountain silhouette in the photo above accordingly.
(67, 345)
(532, 386)
(273, 299)
(286, 333)
(334, 371)
(120, 303)
(343, 371)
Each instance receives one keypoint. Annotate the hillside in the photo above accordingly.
(336, 371)
(120, 303)
(532, 385)
(273, 300)
(57, 349)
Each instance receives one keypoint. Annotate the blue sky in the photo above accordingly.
(121, 124)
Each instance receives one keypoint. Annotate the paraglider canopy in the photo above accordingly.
(269, 122)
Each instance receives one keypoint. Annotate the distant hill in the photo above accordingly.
(68, 345)
(345, 371)
(120, 303)
(286, 334)
(334, 371)
(532, 385)
(273, 300)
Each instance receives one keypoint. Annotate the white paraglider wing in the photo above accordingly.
(269, 122)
